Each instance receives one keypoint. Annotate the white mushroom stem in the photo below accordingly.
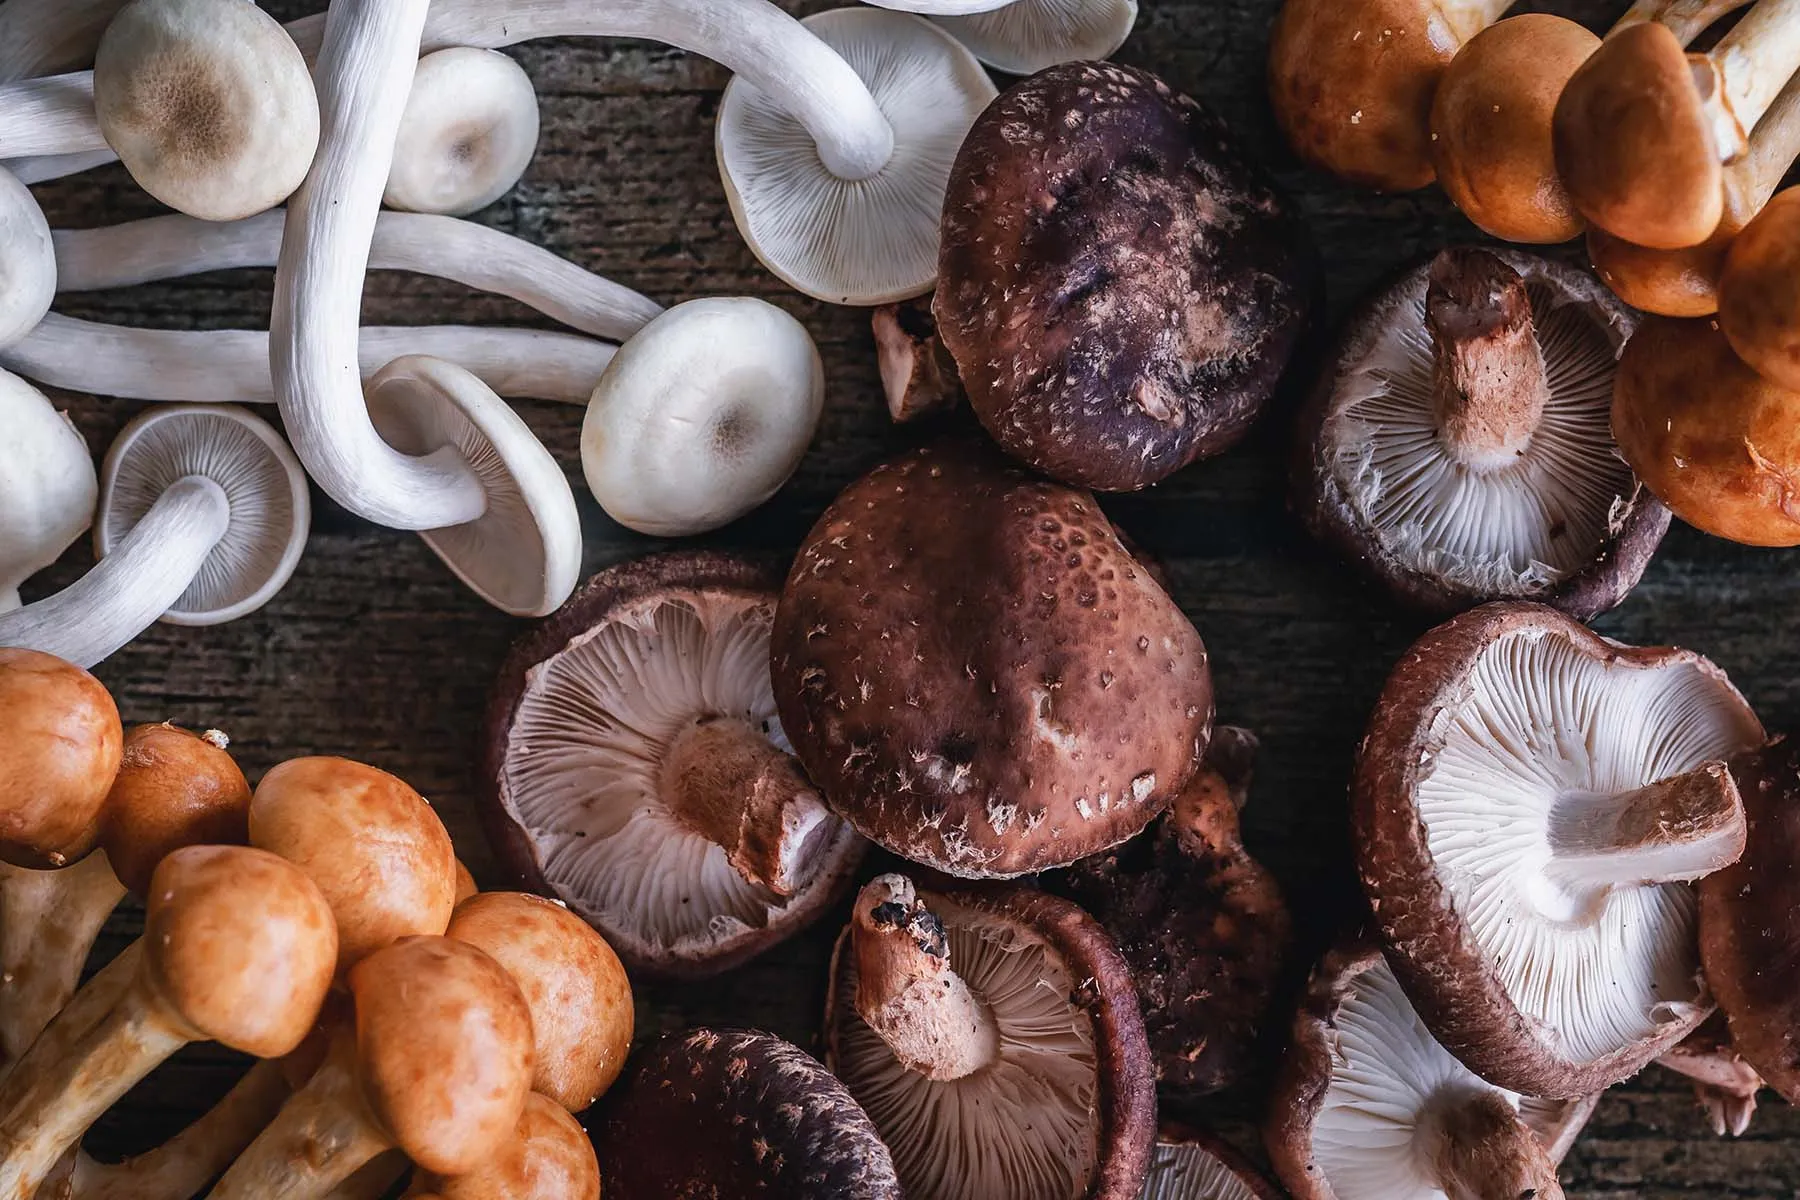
(41, 168)
(130, 588)
(727, 782)
(1686, 19)
(168, 247)
(231, 366)
(1750, 66)
(1490, 379)
(1675, 830)
(39, 37)
(48, 923)
(1479, 1149)
(907, 991)
(53, 115)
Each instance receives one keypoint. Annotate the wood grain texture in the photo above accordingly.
(374, 651)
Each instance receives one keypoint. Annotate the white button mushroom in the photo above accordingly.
(470, 129)
(27, 261)
(47, 486)
(203, 516)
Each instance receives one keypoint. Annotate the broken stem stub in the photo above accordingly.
(1671, 831)
(907, 991)
(1479, 1149)
(1489, 380)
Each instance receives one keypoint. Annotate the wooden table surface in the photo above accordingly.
(375, 652)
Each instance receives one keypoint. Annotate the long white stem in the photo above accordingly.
(42, 168)
(1686, 19)
(38, 37)
(1758, 57)
(54, 115)
(117, 256)
(130, 588)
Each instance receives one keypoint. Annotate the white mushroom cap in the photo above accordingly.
(702, 416)
(208, 103)
(869, 238)
(48, 488)
(935, 8)
(469, 131)
(523, 553)
(27, 261)
(1032, 35)
(1190, 1170)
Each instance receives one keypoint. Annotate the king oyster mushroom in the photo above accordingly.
(1460, 448)
(1202, 924)
(978, 675)
(636, 771)
(1190, 1165)
(1121, 289)
(1529, 802)
(994, 1039)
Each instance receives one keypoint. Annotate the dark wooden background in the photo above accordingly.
(375, 652)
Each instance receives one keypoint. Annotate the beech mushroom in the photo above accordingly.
(1528, 804)
(59, 758)
(548, 1157)
(203, 516)
(437, 1063)
(978, 675)
(635, 769)
(1028, 36)
(469, 131)
(1714, 440)
(1201, 923)
(1642, 131)
(778, 1125)
(702, 416)
(1369, 1107)
(1142, 319)
(1725, 1085)
(1458, 450)
(48, 489)
(1759, 292)
(27, 261)
(995, 1041)
(918, 376)
(238, 948)
(1189, 1165)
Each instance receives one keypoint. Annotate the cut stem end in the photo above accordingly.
(1489, 379)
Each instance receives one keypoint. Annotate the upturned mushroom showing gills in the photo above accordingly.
(977, 673)
(203, 516)
(1120, 288)
(1759, 292)
(48, 488)
(1201, 922)
(1189, 1165)
(1459, 448)
(1028, 36)
(1529, 804)
(994, 1039)
(636, 771)
(1369, 1107)
(777, 1125)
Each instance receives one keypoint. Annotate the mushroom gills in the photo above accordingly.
(1189, 1171)
(1027, 36)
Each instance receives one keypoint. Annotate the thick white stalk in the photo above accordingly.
(364, 73)
(1686, 19)
(130, 588)
(54, 115)
(42, 168)
(1758, 57)
(117, 256)
(231, 366)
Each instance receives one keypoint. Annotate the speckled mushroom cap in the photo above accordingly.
(978, 675)
(1120, 288)
(736, 1113)
(1497, 842)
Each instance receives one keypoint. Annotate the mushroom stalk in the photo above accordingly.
(48, 923)
(231, 366)
(38, 37)
(1479, 1149)
(1750, 66)
(50, 116)
(130, 588)
(728, 783)
(1686, 19)
(324, 1139)
(1674, 830)
(907, 991)
(1490, 380)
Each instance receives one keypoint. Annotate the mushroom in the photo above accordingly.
(437, 1062)
(1529, 802)
(548, 1157)
(1369, 1107)
(1028, 36)
(1642, 131)
(1713, 439)
(59, 758)
(1557, 1123)
(778, 1123)
(918, 376)
(42, 37)
(1190, 1165)
(978, 675)
(634, 769)
(1725, 1086)
(48, 489)
(203, 516)
(27, 261)
(1143, 319)
(994, 1040)
(238, 948)
(469, 131)
(1759, 292)
(1458, 448)
(1202, 924)
(702, 416)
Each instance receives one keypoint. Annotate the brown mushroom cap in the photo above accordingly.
(548, 1157)
(1490, 127)
(1502, 799)
(978, 675)
(59, 753)
(174, 789)
(1759, 292)
(580, 1000)
(777, 1125)
(1716, 442)
(371, 843)
(1119, 287)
